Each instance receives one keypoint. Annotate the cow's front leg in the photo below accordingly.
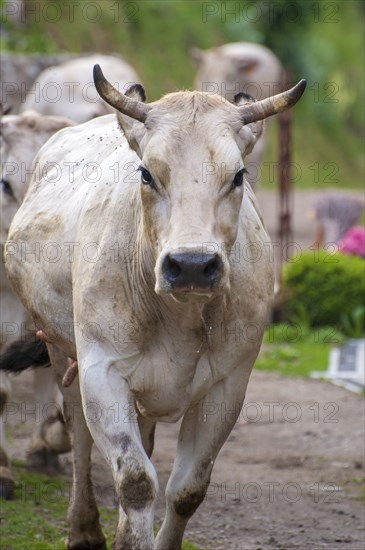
(84, 531)
(112, 419)
(203, 431)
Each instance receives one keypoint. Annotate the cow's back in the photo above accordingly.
(68, 89)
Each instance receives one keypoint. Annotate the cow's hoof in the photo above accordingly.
(86, 545)
(7, 484)
(44, 461)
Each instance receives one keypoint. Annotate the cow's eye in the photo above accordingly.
(238, 179)
(146, 177)
(6, 187)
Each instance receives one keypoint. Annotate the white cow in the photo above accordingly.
(240, 67)
(161, 291)
(21, 138)
(68, 89)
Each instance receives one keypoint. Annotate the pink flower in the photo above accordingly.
(353, 243)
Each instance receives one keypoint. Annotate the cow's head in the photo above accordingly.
(224, 72)
(21, 136)
(191, 147)
(238, 67)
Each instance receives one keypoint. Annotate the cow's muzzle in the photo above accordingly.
(191, 272)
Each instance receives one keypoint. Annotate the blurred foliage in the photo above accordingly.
(320, 40)
(326, 287)
(295, 350)
(353, 324)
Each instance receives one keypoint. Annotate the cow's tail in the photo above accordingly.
(23, 354)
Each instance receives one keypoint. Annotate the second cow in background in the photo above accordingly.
(21, 138)
(68, 89)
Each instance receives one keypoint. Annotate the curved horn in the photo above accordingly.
(126, 105)
(272, 105)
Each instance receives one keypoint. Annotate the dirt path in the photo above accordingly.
(289, 476)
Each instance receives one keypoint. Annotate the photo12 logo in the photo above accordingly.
(270, 10)
(69, 10)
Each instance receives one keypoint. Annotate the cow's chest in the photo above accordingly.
(162, 381)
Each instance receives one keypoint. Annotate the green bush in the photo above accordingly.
(323, 288)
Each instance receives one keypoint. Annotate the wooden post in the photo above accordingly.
(286, 197)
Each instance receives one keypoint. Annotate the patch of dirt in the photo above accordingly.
(289, 476)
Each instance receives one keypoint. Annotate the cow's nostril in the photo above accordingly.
(212, 268)
(173, 269)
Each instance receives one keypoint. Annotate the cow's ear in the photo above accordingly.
(243, 99)
(133, 130)
(250, 133)
(248, 136)
(136, 91)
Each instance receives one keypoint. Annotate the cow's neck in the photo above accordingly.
(187, 326)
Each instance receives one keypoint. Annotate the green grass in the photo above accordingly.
(358, 487)
(36, 518)
(297, 351)
(318, 162)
